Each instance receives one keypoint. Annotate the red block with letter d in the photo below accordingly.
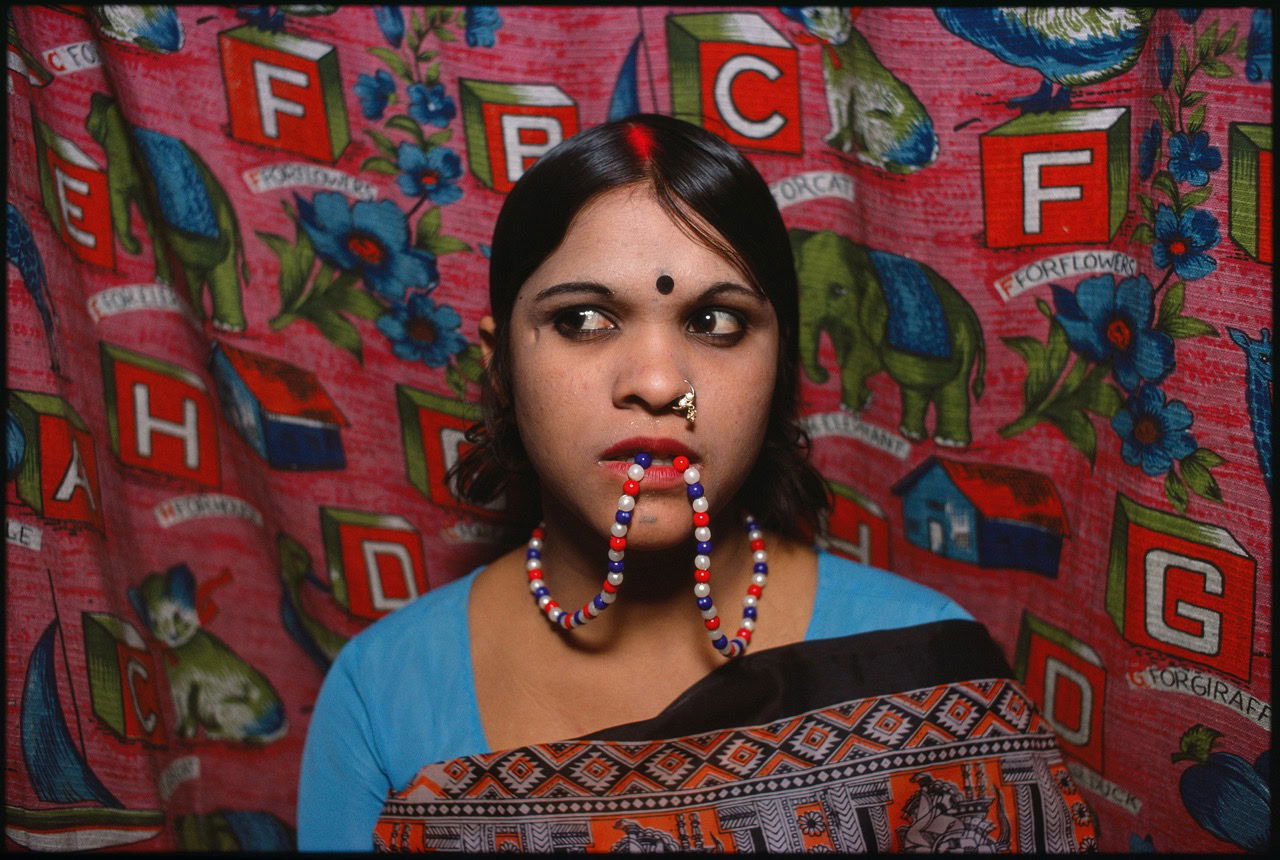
(375, 560)
(1066, 679)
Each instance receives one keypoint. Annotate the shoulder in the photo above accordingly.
(856, 598)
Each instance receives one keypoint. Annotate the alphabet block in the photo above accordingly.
(122, 679)
(58, 475)
(1055, 178)
(857, 528)
(1181, 587)
(160, 416)
(73, 188)
(1251, 188)
(510, 126)
(1066, 679)
(736, 75)
(375, 560)
(284, 92)
(432, 428)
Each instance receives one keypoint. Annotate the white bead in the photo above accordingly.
(619, 530)
(702, 533)
(759, 579)
(702, 589)
(533, 564)
(700, 505)
(535, 543)
(626, 503)
(702, 562)
(615, 578)
(692, 475)
(747, 624)
(715, 634)
(535, 584)
(755, 534)
(590, 610)
(616, 554)
(556, 615)
(760, 556)
(749, 600)
(608, 596)
(710, 613)
(543, 601)
(635, 471)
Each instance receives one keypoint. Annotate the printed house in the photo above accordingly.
(280, 410)
(989, 515)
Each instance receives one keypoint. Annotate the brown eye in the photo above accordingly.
(717, 323)
(582, 321)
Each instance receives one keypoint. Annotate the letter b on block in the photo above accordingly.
(1049, 179)
(735, 75)
(284, 92)
(375, 561)
(1181, 587)
(510, 126)
(1066, 678)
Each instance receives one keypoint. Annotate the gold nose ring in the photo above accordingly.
(687, 403)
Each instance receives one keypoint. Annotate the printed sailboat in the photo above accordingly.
(60, 774)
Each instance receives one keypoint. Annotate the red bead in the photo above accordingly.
(609, 587)
(537, 533)
(631, 487)
(702, 575)
(681, 463)
(701, 518)
(536, 573)
(618, 543)
(744, 634)
(754, 590)
(712, 623)
(551, 604)
(757, 544)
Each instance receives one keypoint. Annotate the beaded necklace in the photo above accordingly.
(728, 647)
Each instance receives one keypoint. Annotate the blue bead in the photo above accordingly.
(722, 642)
(694, 491)
(533, 553)
(704, 602)
(749, 612)
(542, 591)
(623, 517)
(704, 547)
(751, 525)
(615, 567)
(760, 567)
(600, 604)
(644, 459)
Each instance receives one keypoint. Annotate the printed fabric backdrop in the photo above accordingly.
(247, 258)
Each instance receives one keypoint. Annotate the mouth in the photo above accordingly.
(662, 473)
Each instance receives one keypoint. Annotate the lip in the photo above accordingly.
(617, 458)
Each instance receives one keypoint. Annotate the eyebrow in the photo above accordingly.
(597, 289)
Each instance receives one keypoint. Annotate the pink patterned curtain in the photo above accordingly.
(247, 258)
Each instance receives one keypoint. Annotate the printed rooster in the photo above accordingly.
(1070, 47)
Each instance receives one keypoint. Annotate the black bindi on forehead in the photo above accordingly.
(666, 284)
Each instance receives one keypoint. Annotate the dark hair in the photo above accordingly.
(694, 175)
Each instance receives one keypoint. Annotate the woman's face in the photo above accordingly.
(600, 354)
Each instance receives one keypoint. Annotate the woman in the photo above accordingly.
(641, 392)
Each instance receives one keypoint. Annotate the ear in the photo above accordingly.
(488, 332)
(1241, 339)
(139, 606)
(181, 585)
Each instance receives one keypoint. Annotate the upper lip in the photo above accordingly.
(654, 447)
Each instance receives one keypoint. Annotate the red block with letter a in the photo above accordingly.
(284, 92)
(161, 416)
(1056, 178)
(1066, 679)
(736, 75)
(1181, 587)
(857, 528)
(78, 188)
(510, 126)
(375, 561)
(58, 474)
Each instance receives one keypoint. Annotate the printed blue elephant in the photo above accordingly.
(886, 312)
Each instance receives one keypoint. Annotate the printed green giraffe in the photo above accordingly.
(196, 220)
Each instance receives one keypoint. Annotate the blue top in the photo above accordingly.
(375, 725)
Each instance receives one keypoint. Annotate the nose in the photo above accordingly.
(650, 374)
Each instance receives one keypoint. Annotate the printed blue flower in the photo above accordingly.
(1164, 61)
(369, 238)
(1190, 15)
(1153, 433)
(1181, 242)
(1109, 321)
(482, 21)
(1191, 161)
(421, 331)
(1148, 148)
(430, 106)
(262, 17)
(391, 22)
(373, 91)
(429, 173)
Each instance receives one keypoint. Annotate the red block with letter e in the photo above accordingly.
(433, 430)
(122, 679)
(284, 92)
(160, 415)
(1181, 587)
(375, 561)
(74, 187)
(1056, 177)
(736, 75)
(510, 126)
(857, 528)
(58, 475)
(1066, 679)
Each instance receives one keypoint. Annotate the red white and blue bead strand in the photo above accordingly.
(728, 647)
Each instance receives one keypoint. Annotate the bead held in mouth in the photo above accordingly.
(727, 646)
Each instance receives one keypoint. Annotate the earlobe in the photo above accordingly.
(488, 329)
